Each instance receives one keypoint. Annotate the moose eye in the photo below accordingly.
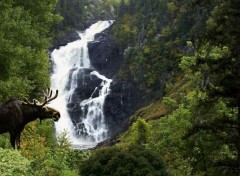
(45, 109)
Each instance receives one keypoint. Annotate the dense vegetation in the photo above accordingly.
(184, 53)
(117, 161)
(24, 33)
(156, 32)
(194, 46)
(79, 14)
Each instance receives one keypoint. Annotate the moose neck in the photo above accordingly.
(29, 114)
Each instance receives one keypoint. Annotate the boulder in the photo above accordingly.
(87, 84)
(63, 41)
(104, 54)
(124, 100)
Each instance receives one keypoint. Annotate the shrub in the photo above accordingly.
(13, 163)
(117, 161)
(140, 132)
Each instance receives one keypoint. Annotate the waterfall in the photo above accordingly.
(69, 63)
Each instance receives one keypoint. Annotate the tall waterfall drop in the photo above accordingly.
(69, 66)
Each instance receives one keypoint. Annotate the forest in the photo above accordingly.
(184, 53)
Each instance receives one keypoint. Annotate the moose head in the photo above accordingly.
(42, 111)
(15, 114)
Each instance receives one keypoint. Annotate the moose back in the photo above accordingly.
(15, 114)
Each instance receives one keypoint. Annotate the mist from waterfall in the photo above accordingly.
(68, 61)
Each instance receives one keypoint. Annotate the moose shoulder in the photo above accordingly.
(15, 114)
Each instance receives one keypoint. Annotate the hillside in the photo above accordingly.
(188, 62)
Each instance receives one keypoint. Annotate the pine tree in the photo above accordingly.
(222, 64)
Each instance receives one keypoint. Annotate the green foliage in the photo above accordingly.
(169, 102)
(125, 33)
(189, 139)
(13, 163)
(140, 132)
(193, 139)
(50, 156)
(154, 33)
(135, 160)
(194, 129)
(76, 157)
(200, 135)
(167, 141)
(216, 71)
(4, 141)
(24, 33)
(77, 14)
(24, 72)
(73, 14)
(197, 137)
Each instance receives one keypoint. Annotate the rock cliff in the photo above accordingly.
(125, 97)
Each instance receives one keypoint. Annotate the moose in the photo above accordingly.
(15, 114)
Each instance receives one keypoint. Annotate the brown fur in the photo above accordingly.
(15, 114)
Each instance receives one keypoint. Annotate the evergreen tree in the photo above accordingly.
(73, 14)
(218, 58)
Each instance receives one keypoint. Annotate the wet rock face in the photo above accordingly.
(63, 41)
(104, 54)
(87, 84)
(124, 99)
(119, 105)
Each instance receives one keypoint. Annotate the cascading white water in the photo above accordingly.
(67, 62)
(94, 121)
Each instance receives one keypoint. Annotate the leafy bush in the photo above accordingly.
(117, 161)
(140, 132)
(4, 141)
(13, 163)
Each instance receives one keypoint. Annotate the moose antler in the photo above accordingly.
(29, 103)
(48, 97)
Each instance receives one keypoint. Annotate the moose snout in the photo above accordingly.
(56, 116)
